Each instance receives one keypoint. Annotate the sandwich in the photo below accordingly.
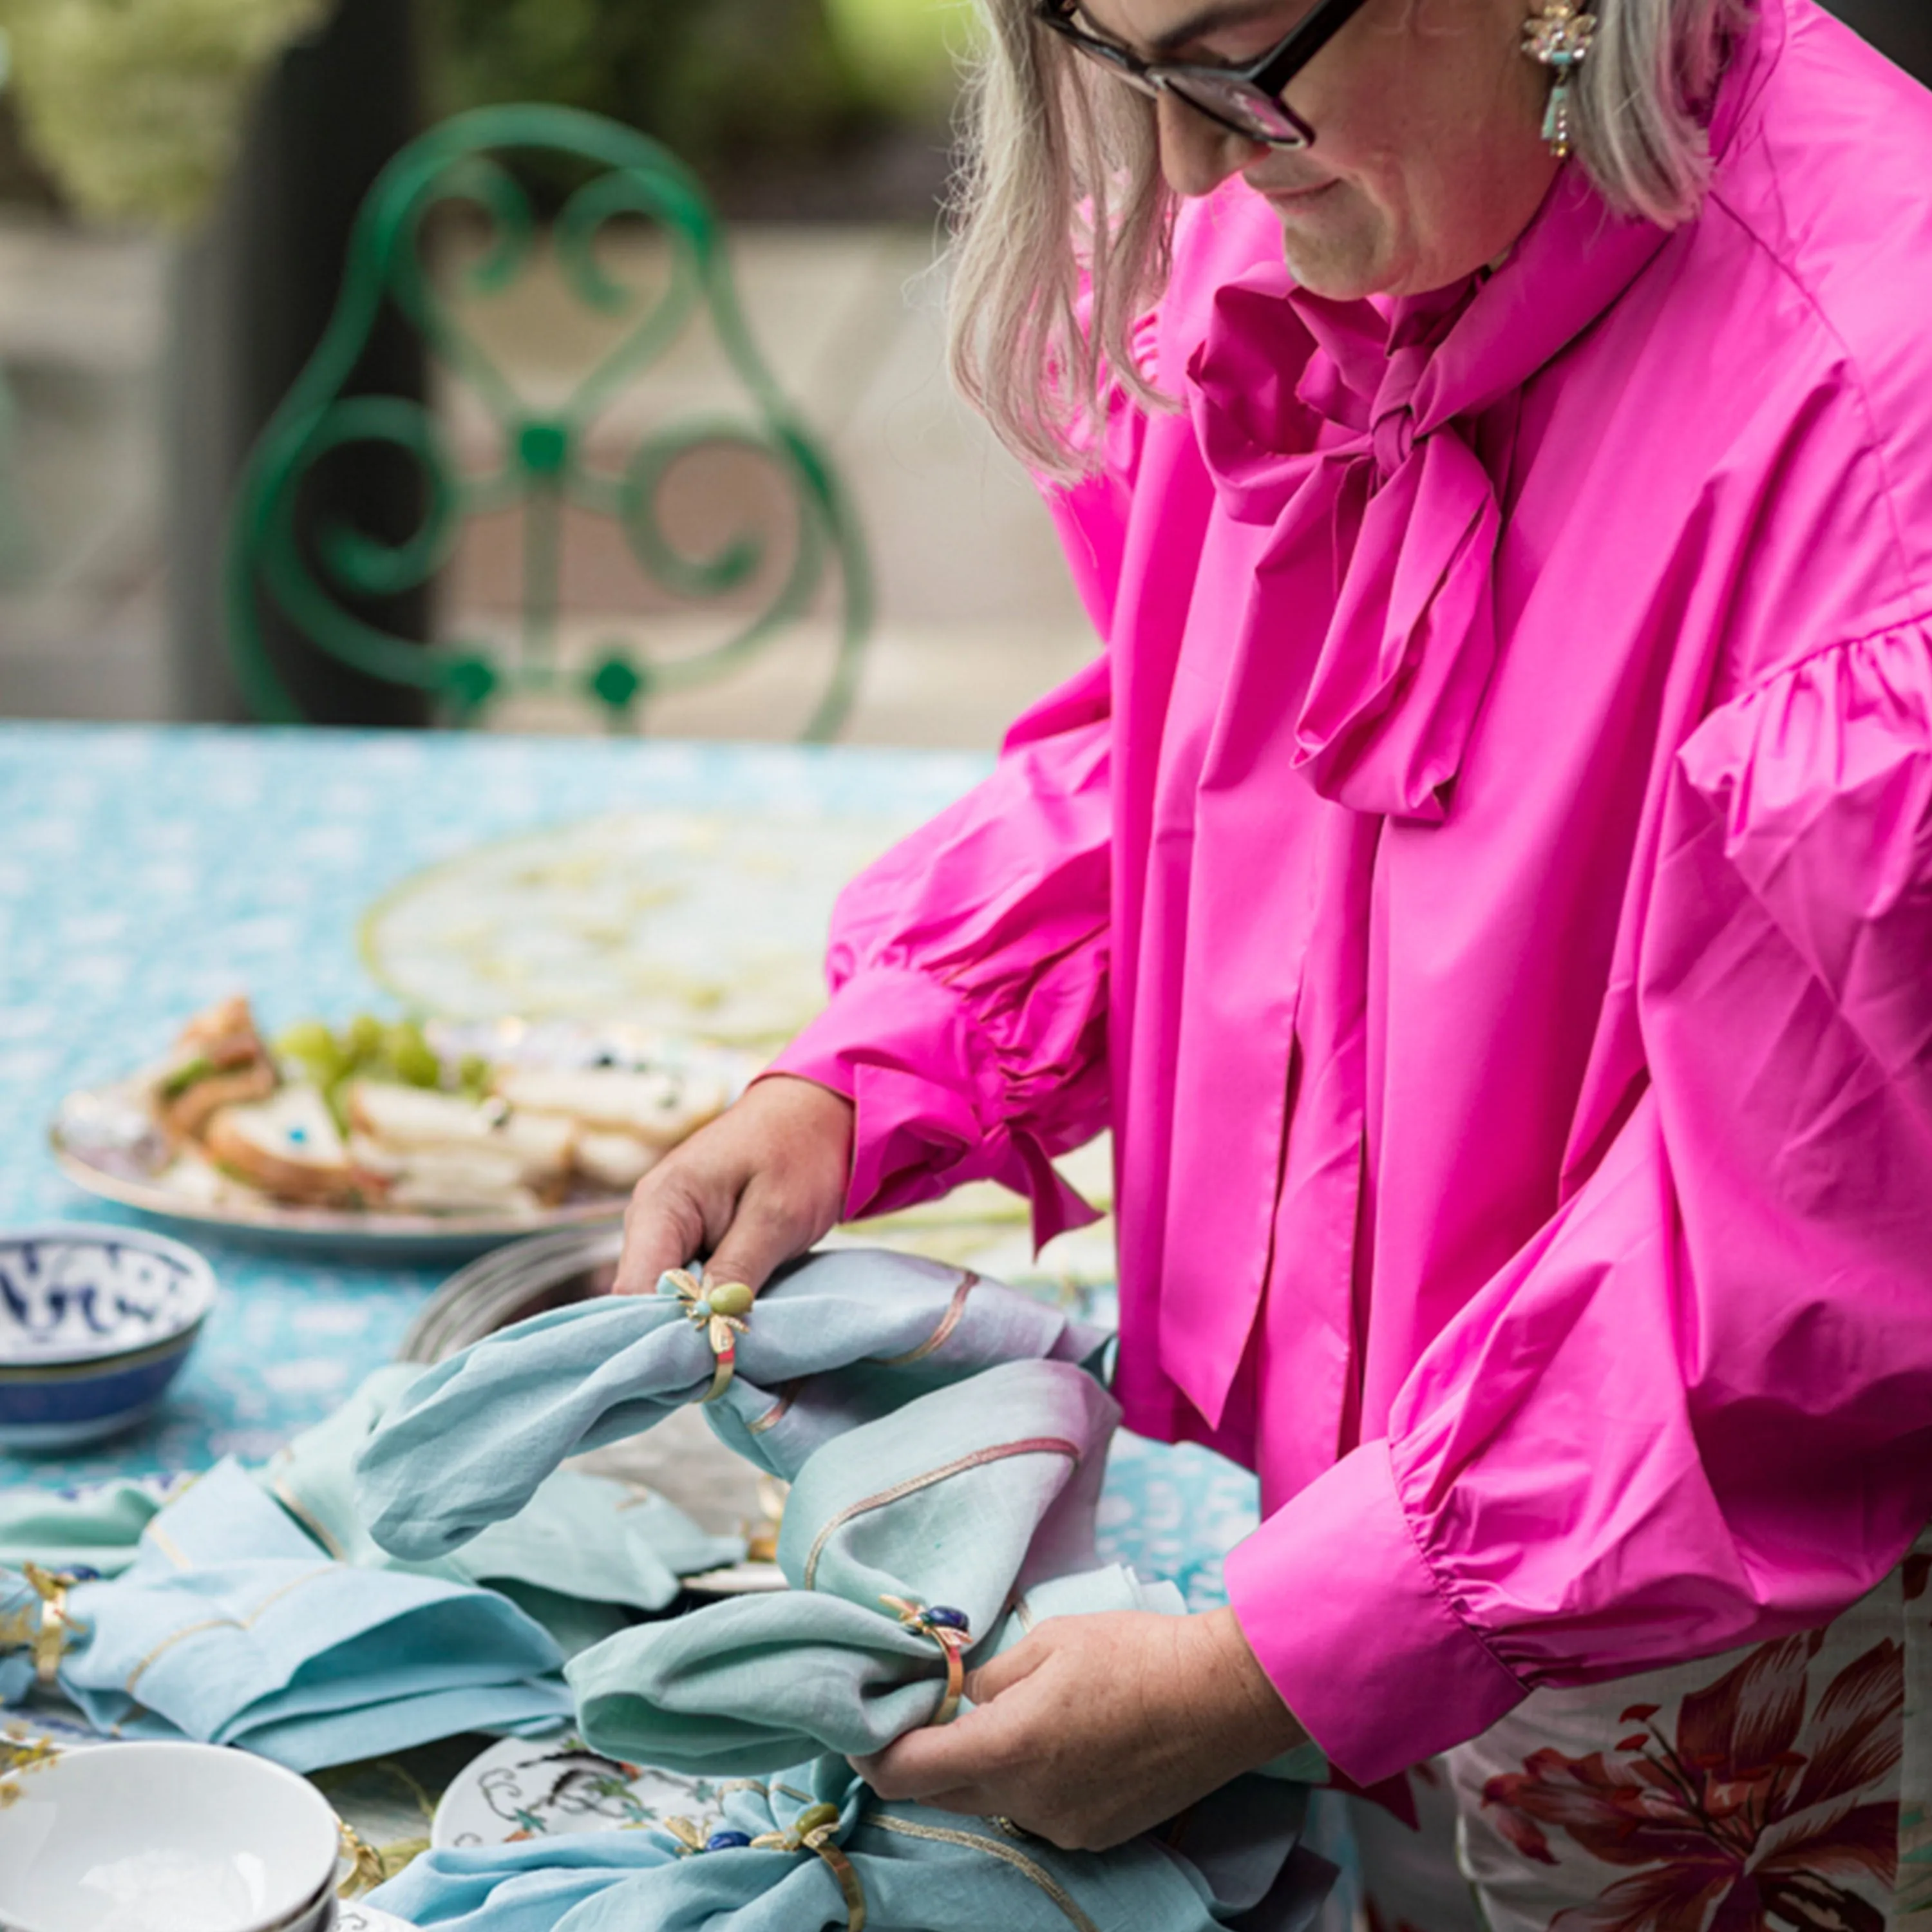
(432, 1152)
(288, 1146)
(219, 1059)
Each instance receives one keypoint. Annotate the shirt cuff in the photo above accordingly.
(928, 1093)
(1354, 1630)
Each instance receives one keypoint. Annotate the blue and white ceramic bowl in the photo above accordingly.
(95, 1323)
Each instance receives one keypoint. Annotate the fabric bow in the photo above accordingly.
(1362, 434)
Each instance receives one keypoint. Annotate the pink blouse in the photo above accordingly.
(1487, 888)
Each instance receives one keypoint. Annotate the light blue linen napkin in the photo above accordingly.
(579, 1536)
(964, 1499)
(94, 1527)
(838, 1340)
(917, 1870)
(231, 1627)
(581, 1557)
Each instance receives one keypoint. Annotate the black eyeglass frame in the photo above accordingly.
(1260, 84)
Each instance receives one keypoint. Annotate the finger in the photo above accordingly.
(664, 1227)
(969, 1801)
(764, 1233)
(1010, 1667)
(964, 1756)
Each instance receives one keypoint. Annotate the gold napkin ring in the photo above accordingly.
(811, 1831)
(56, 1636)
(952, 1631)
(718, 1314)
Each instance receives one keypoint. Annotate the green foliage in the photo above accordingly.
(136, 106)
(905, 52)
(722, 82)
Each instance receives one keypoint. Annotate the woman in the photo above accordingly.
(1487, 889)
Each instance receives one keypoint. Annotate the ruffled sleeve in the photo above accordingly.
(1695, 1411)
(968, 969)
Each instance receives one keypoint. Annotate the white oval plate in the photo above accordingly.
(339, 1231)
(525, 1788)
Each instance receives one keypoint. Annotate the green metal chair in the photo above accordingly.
(321, 581)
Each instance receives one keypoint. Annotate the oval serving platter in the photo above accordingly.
(97, 1142)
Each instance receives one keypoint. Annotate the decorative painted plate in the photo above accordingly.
(352, 1916)
(525, 1788)
(23, 1729)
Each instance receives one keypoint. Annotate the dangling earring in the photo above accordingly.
(1560, 38)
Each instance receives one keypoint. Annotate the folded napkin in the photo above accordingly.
(965, 1501)
(230, 1627)
(580, 1536)
(839, 1339)
(95, 1527)
(581, 1556)
(909, 1870)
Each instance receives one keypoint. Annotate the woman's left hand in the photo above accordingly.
(1095, 1728)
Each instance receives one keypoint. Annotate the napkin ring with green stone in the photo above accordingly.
(952, 1631)
(811, 1831)
(718, 1314)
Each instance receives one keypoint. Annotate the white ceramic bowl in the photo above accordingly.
(95, 1323)
(165, 1838)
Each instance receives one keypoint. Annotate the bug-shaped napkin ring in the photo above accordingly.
(718, 1314)
(952, 1631)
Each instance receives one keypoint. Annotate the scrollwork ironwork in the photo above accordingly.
(324, 580)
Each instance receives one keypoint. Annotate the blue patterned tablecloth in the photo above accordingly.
(145, 872)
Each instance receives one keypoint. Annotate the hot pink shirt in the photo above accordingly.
(1487, 887)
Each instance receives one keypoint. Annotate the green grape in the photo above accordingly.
(308, 1039)
(317, 1049)
(412, 1056)
(363, 1039)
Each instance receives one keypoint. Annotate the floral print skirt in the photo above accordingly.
(1785, 1786)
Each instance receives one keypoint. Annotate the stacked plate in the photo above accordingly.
(512, 1283)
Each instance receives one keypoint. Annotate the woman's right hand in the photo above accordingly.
(760, 1185)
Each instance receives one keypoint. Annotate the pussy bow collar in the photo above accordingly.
(1345, 427)
(1365, 446)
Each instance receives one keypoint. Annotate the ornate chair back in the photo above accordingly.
(326, 578)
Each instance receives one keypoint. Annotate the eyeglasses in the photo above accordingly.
(1247, 100)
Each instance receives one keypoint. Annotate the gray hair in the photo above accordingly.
(1061, 190)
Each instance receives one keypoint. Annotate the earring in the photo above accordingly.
(1560, 38)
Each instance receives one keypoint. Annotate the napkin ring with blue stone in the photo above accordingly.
(952, 1631)
(718, 1314)
(811, 1831)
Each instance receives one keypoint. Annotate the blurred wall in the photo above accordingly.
(1901, 29)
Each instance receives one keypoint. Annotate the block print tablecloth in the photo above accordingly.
(145, 872)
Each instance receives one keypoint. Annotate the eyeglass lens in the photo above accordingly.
(1233, 102)
(1239, 105)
